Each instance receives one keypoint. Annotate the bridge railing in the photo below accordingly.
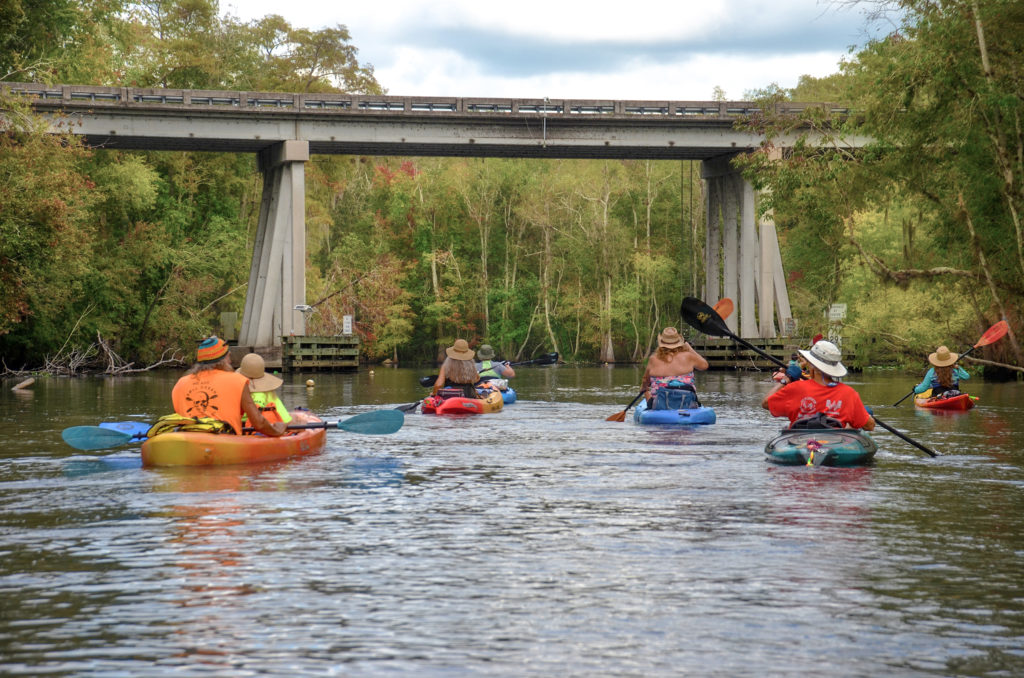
(96, 96)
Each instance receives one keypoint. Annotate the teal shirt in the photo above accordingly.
(929, 377)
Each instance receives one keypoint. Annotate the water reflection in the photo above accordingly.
(542, 539)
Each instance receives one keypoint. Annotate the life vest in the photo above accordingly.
(176, 422)
(271, 407)
(213, 394)
(486, 369)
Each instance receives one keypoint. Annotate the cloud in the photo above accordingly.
(652, 49)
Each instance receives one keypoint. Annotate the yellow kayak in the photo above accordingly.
(190, 448)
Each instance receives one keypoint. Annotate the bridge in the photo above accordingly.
(284, 129)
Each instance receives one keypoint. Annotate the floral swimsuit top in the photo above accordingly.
(658, 383)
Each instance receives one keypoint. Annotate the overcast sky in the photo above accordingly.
(629, 49)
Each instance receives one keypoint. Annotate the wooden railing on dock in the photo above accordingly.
(320, 353)
(726, 354)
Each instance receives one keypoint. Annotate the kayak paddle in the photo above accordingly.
(378, 422)
(621, 416)
(992, 335)
(702, 317)
(724, 309)
(547, 359)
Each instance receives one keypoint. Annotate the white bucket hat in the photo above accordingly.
(826, 357)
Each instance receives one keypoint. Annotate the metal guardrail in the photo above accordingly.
(73, 95)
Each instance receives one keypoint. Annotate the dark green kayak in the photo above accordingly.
(821, 447)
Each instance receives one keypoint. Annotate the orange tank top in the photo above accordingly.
(211, 393)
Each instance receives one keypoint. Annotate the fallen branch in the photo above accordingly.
(993, 363)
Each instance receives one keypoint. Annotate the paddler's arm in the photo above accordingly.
(439, 383)
(256, 418)
(699, 361)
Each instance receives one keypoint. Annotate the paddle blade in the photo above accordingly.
(618, 416)
(379, 422)
(724, 307)
(408, 408)
(993, 334)
(94, 437)
(700, 316)
(426, 382)
(549, 359)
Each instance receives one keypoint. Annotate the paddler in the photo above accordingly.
(212, 388)
(458, 370)
(263, 387)
(944, 374)
(673, 361)
(489, 369)
(821, 394)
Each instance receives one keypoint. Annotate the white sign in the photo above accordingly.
(346, 324)
(837, 312)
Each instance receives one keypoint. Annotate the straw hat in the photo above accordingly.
(485, 352)
(670, 338)
(825, 356)
(460, 350)
(253, 368)
(943, 357)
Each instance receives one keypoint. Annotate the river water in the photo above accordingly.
(540, 540)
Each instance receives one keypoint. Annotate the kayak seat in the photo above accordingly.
(818, 420)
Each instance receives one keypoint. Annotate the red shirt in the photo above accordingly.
(804, 398)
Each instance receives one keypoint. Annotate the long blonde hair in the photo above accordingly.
(460, 371)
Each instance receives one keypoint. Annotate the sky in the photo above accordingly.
(629, 49)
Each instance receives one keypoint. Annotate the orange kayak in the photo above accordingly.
(191, 448)
(958, 403)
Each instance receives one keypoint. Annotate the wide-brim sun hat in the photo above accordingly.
(211, 350)
(485, 352)
(670, 338)
(826, 357)
(254, 369)
(943, 357)
(459, 350)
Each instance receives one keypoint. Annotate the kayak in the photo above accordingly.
(958, 403)
(191, 448)
(821, 447)
(508, 396)
(688, 417)
(493, 402)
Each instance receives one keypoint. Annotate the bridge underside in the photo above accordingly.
(743, 259)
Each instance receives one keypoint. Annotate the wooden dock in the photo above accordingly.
(336, 353)
(726, 354)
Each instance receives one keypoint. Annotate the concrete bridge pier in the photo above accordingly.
(743, 258)
(277, 279)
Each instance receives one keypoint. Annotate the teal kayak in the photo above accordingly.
(821, 447)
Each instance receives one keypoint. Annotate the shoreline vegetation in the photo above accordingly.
(118, 261)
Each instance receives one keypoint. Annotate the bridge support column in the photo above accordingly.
(277, 279)
(743, 257)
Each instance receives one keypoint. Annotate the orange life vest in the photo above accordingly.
(211, 393)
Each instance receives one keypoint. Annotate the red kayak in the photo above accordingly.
(958, 403)
(492, 402)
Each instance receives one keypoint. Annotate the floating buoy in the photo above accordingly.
(371, 373)
(309, 383)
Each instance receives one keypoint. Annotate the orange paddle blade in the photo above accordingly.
(724, 307)
(993, 334)
(618, 416)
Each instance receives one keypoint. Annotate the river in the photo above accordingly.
(541, 540)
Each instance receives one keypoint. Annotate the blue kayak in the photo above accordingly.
(509, 396)
(689, 417)
(821, 447)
